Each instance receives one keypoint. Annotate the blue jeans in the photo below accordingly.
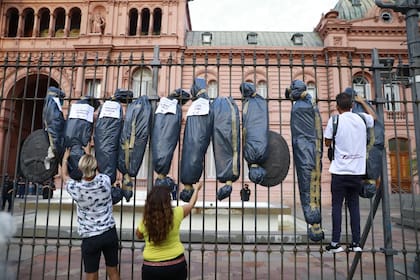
(346, 187)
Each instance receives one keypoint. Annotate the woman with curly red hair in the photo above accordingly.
(163, 252)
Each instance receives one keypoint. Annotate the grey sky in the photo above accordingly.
(263, 15)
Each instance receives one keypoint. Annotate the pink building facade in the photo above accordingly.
(151, 47)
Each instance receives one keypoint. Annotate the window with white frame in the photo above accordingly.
(210, 163)
(142, 82)
(392, 95)
(245, 169)
(93, 88)
(144, 168)
(212, 89)
(262, 88)
(311, 89)
(362, 87)
(209, 160)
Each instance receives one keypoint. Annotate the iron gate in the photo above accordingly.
(264, 238)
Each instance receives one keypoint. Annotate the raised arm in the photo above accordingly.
(365, 106)
(64, 168)
(188, 207)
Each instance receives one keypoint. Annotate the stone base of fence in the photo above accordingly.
(210, 221)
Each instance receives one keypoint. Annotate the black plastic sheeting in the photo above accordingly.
(165, 135)
(133, 140)
(107, 137)
(134, 136)
(78, 132)
(374, 152)
(32, 155)
(76, 152)
(307, 137)
(43, 149)
(278, 160)
(53, 120)
(255, 131)
(197, 135)
(226, 143)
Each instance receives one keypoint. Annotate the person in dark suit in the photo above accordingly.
(21, 188)
(7, 193)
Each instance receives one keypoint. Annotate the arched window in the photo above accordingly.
(28, 26)
(12, 22)
(362, 86)
(133, 17)
(311, 89)
(60, 21)
(157, 21)
(142, 82)
(212, 89)
(262, 88)
(145, 19)
(44, 23)
(392, 95)
(75, 18)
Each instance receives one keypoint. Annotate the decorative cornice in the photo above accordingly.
(377, 31)
(352, 30)
(98, 47)
(333, 27)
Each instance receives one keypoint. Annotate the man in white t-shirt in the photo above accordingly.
(348, 166)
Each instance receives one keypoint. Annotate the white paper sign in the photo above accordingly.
(199, 107)
(82, 111)
(110, 109)
(166, 106)
(57, 101)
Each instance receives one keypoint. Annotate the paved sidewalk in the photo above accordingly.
(214, 254)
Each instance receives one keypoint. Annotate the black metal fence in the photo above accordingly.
(264, 238)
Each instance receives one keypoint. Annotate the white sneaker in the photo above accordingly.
(334, 249)
(355, 247)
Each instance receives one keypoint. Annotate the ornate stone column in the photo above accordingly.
(67, 25)
(52, 24)
(21, 23)
(138, 32)
(35, 31)
(151, 23)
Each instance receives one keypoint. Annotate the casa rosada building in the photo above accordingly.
(151, 47)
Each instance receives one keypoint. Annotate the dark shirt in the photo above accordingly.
(7, 186)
